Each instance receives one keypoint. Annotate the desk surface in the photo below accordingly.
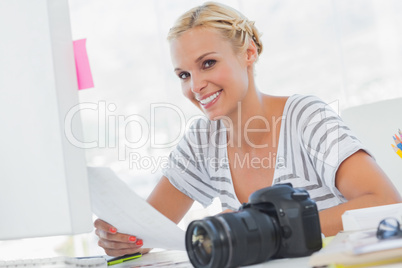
(180, 259)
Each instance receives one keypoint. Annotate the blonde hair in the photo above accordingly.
(231, 23)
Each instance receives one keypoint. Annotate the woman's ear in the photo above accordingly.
(252, 53)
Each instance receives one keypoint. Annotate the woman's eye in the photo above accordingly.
(209, 63)
(183, 75)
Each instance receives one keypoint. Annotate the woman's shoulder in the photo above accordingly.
(293, 106)
(295, 100)
(298, 99)
(299, 106)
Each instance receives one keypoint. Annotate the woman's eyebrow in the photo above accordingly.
(198, 59)
(203, 56)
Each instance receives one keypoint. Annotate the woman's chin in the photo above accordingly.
(212, 114)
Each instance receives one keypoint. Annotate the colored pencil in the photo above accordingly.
(398, 142)
(397, 150)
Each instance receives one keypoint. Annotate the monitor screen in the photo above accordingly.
(43, 180)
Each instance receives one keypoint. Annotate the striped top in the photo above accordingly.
(313, 142)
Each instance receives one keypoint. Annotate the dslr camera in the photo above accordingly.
(278, 222)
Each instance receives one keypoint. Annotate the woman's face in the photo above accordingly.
(212, 75)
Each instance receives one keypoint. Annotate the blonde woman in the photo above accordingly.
(251, 140)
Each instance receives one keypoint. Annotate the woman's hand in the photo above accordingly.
(165, 198)
(226, 211)
(114, 243)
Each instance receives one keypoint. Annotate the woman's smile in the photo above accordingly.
(209, 99)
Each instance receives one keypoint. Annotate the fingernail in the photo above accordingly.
(132, 238)
(139, 242)
(112, 230)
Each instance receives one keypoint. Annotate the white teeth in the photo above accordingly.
(210, 98)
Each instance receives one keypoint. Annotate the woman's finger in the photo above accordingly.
(107, 244)
(118, 237)
(100, 224)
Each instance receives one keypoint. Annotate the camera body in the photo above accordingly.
(278, 221)
(296, 216)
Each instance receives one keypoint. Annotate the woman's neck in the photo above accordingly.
(249, 125)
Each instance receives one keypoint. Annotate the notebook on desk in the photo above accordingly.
(358, 249)
(369, 218)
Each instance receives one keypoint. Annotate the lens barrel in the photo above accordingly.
(232, 239)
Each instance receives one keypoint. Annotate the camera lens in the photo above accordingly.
(202, 245)
(232, 239)
(206, 244)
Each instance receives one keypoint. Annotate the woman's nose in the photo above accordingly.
(198, 83)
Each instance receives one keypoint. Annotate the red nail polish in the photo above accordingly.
(132, 238)
(112, 230)
(139, 242)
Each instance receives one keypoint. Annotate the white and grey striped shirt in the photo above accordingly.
(313, 142)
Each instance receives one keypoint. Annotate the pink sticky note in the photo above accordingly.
(84, 75)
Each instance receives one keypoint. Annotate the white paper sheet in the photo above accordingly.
(114, 202)
(369, 218)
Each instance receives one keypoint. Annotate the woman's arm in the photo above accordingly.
(165, 198)
(169, 201)
(363, 184)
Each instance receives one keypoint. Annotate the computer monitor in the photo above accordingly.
(43, 180)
